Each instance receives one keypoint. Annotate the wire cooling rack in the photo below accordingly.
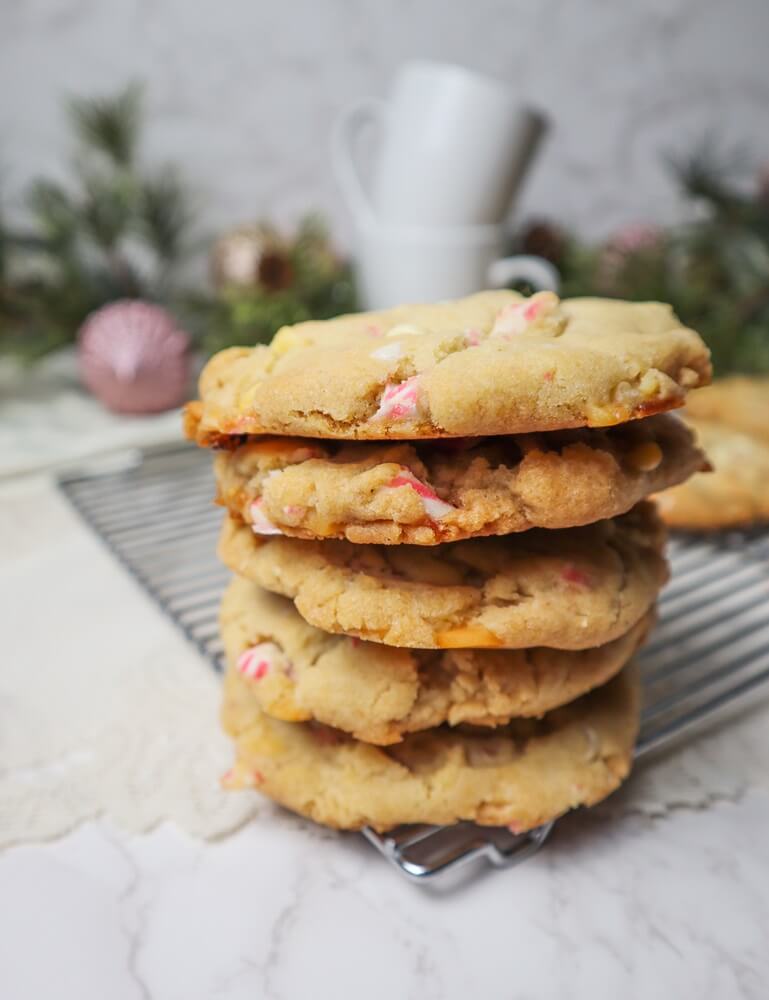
(153, 510)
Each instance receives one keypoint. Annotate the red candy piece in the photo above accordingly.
(573, 575)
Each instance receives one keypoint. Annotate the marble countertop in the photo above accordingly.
(634, 907)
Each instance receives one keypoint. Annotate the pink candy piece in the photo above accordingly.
(573, 575)
(399, 400)
(514, 828)
(256, 662)
(260, 523)
(473, 337)
(374, 330)
(518, 316)
(235, 778)
(435, 508)
(294, 510)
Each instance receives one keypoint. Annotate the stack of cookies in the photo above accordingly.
(443, 559)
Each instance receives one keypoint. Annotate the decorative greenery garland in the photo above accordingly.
(121, 231)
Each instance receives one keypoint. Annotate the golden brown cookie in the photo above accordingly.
(735, 494)
(493, 363)
(379, 693)
(522, 775)
(424, 493)
(739, 401)
(569, 589)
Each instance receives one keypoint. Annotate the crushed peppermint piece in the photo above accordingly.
(473, 337)
(257, 661)
(571, 574)
(260, 523)
(435, 508)
(521, 316)
(388, 352)
(399, 400)
(295, 511)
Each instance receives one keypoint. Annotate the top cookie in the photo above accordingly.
(493, 363)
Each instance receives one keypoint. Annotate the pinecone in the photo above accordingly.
(252, 256)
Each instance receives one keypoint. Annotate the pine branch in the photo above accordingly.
(55, 212)
(109, 125)
(708, 172)
(165, 215)
(107, 208)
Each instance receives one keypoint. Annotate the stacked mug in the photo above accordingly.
(451, 149)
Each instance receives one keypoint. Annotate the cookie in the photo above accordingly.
(379, 693)
(442, 491)
(493, 363)
(522, 775)
(569, 589)
(735, 494)
(739, 401)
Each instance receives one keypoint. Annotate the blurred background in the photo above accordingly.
(178, 155)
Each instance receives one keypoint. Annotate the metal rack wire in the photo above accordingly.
(711, 647)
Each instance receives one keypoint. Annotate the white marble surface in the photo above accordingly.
(636, 908)
(243, 94)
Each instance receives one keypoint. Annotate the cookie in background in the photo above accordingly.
(735, 494)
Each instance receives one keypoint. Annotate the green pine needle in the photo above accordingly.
(109, 125)
(165, 214)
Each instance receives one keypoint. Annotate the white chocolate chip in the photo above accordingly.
(389, 352)
(405, 330)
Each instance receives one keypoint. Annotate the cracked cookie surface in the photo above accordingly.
(734, 495)
(378, 694)
(493, 363)
(440, 491)
(522, 775)
(570, 589)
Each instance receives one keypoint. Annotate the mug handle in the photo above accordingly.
(344, 138)
(537, 271)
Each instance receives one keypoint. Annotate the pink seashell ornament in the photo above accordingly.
(134, 358)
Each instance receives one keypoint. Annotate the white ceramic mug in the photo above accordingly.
(453, 148)
(396, 265)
